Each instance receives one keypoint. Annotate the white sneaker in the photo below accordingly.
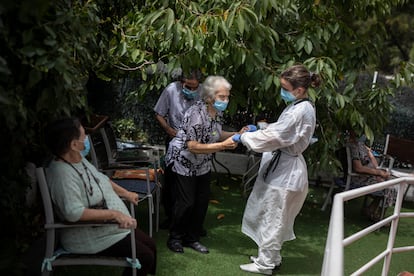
(254, 258)
(254, 269)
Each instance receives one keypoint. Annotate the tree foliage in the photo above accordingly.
(48, 48)
(251, 42)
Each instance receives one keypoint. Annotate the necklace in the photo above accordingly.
(88, 188)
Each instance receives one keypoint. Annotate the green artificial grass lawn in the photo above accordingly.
(304, 256)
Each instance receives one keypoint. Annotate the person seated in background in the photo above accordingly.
(81, 193)
(365, 164)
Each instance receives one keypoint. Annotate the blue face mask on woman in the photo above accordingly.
(87, 148)
(220, 105)
(287, 96)
(189, 94)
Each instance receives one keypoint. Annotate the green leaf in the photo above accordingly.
(268, 82)
(135, 54)
(251, 14)
(308, 47)
(50, 42)
(275, 35)
(50, 31)
(190, 39)
(143, 75)
(28, 51)
(300, 43)
(4, 69)
(224, 28)
(198, 46)
(170, 18)
(123, 48)
(151, 18)
(240, 23)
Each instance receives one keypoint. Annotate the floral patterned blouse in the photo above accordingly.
(359, 151)
(197, 125)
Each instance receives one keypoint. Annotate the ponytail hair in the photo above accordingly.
(299, 76)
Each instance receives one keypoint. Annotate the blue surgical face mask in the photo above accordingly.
(287, 96)
(220, 105)
(87, 148)
(189, 94)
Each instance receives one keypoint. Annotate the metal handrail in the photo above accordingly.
(333, 261)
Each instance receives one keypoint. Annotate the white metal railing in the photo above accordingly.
(333, 261)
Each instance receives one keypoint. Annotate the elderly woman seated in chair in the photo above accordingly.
(365, 164)
(81, 193)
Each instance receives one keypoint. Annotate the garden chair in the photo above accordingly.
(137, 175)
(56, 256)
(145, 182)
(343, 182)
(138, 153)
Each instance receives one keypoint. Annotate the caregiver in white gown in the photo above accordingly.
(282, 182)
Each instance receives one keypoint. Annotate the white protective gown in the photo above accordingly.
(274, 203)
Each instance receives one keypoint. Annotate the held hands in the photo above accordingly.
(229, 143)
(236, 138)
(248, 128)
(251, 128)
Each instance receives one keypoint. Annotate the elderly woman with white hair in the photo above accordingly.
(190, 153)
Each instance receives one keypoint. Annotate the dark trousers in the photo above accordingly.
(167, 197)
(191, 202)
(146, 252)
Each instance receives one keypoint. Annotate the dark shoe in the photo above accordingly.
(203, 233)
(197, 247)
(175, 246)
